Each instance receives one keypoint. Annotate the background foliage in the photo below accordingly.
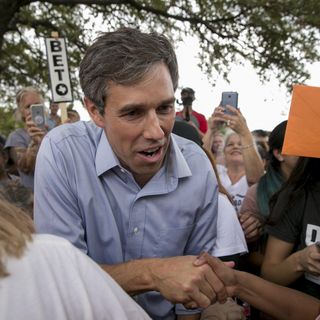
(275, 36)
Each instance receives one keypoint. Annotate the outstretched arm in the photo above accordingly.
(25, 157)
(280, 302)
(177, 279)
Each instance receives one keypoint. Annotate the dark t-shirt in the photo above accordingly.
(300, 225)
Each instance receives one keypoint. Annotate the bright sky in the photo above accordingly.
(263, 105)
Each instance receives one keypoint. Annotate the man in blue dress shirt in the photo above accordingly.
(137, 199)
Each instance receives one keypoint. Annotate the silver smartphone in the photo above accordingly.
(38, 115)
(229, 98)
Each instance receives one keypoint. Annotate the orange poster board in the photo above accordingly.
(302, 136)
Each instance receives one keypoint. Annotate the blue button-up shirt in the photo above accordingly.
(83, 194)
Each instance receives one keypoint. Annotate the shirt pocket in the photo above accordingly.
(172, 241)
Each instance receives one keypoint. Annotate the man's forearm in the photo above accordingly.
(176, 278)
(133, 276)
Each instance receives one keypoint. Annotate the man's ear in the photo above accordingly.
(278, 155)
(94, 113)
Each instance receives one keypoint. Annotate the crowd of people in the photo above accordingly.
(146, 212)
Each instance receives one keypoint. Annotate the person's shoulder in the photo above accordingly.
(252, 190)
(17, 132)
(18, 138)
(194, 156)
(198, 114)
(224, 203)
(187, 146)
(84, 129)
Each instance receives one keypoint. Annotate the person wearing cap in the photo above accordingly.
(194, 118)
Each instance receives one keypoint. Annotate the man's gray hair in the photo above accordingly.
(123, 57)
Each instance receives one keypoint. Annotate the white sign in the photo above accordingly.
(58, 70)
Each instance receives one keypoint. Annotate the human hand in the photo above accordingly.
(215, 122)
(234, 119)
(180, 281)
(34, 132)
(223, 270)
(251, 225)
(226, 311)
(309, 260)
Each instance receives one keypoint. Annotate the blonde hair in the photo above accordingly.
(26, 90)
(16, 229)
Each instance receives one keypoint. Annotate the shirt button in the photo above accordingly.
(135, 230)
(122, 170)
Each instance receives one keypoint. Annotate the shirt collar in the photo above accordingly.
(105, 157)
(177, 164)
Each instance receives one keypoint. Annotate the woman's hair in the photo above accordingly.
(276, 139)
(27, 90)
(16, 229)
(227, 138)
(304, 176)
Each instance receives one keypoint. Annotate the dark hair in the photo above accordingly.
(260, 133)
(123, 57)
(188, 90)
(262, 149)
(276, 139)
(2, 144)
(304, 176)
(185, 130)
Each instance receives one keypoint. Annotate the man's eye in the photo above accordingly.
(132, 114)
(165, 109)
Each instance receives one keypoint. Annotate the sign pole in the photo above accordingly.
(59, 73)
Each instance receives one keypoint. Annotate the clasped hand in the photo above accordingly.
(180, 280)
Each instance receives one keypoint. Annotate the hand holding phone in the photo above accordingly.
(38, 115)
(229, 98)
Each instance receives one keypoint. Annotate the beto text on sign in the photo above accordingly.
(58, 70)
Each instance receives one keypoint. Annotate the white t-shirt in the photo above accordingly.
(237, 190)
(230, 237)
(54, 280)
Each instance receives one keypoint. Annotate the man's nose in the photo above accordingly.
(152, 127)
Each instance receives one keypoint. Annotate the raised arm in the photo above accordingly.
(252, 161)
(25, 156)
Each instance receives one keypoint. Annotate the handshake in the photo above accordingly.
(195, 281)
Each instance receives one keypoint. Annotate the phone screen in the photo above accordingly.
(229, 98)
(38, 115)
